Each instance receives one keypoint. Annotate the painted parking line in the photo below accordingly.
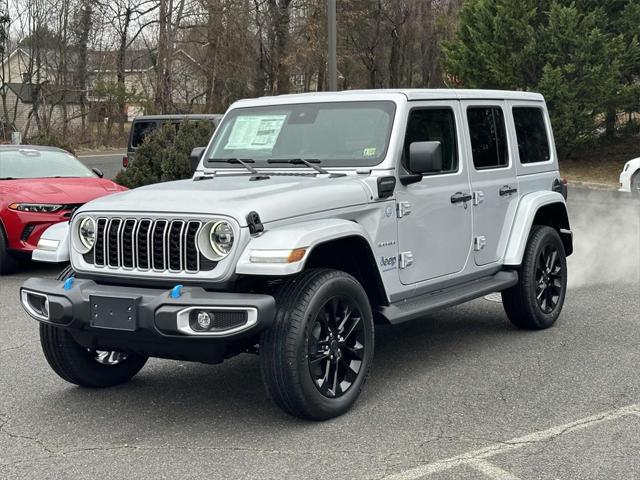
(477, 459)
(492, 471)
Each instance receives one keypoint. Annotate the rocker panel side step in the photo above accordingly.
(415, 307)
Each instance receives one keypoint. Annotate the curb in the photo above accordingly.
(593, 186)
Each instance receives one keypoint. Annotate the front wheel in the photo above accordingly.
(84, 366)
(7, 262)
(316, 357)
(536, 301)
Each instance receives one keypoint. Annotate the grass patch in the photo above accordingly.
(601, 163)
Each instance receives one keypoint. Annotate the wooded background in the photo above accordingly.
(201, 55)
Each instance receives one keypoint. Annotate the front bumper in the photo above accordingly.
(159, 324)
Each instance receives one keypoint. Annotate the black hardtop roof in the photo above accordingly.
(191, 116)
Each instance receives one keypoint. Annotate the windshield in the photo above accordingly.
(336, 134)
(27, 163)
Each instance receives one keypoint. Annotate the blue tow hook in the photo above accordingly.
(176, 292)
(68, 283)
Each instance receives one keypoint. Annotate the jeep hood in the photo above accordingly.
(235, 196)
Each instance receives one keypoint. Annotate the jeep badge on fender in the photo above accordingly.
(309, 219)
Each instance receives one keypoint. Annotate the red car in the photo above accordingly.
(40, 186)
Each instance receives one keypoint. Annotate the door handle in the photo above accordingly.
(460, 197)
(507, 190)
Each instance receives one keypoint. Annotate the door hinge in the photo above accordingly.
(479, 243)
(403, 209)
(405, 259)
(478, 198)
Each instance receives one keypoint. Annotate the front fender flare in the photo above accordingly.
(528, 207)
(289, 237)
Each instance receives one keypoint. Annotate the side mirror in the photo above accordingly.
(424, 158)
(194, 158)
(98, 172)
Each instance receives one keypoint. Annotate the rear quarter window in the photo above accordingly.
(139, 132)
(531, 134)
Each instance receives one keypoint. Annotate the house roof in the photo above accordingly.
(97, 61)
(51, 93)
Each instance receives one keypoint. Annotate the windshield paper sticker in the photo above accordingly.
(255, 132)
(369, 152)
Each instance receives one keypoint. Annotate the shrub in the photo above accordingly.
(49, 140)
(164, 154)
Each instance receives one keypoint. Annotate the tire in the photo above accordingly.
(536, 301)
(82, 366)
(8, 263)
(313, 339)
(635, 184)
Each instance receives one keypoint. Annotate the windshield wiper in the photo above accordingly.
(7, 178)
(309, 163)
(244, 163)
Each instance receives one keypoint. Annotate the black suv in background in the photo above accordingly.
(144, 125)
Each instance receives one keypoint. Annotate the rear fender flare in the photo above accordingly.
(526, 213)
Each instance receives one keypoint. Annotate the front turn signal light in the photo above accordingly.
(277, 256)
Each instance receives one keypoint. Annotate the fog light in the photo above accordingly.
(204, 320)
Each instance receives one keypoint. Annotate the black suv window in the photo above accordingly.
(434, 125)
(533, 143)
(488, 137)
(140, 132)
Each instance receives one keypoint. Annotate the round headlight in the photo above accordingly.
(87, 233)
(221, 238)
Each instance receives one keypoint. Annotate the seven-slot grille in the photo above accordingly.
(144, 244)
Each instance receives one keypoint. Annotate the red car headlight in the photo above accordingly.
(35, 207)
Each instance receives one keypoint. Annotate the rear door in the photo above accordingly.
(493, 177)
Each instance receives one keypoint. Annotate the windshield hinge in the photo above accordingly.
(254, 223)
(403, 209)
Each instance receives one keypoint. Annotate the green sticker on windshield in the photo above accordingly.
(369, 152)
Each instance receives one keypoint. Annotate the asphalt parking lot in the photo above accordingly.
(459, 394)
(110, 163)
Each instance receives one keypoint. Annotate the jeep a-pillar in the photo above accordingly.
(308, 219)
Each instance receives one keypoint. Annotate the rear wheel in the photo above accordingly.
(635, 184)
(536, 301)
(84, 366)
(7, 261)
(316, 356)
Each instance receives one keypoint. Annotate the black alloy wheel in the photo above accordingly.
(536, 301)
(316, 356)
(336, 346)
(549, 276)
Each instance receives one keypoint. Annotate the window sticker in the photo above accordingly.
(369, 152)
(255, 132)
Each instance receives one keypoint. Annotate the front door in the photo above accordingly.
(493, 178)
(434, 224)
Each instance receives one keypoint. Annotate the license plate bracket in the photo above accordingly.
(114, 313)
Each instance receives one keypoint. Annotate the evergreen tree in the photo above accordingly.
(164, 154)
(571, 53)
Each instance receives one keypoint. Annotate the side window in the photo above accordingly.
(533, 143)
(434, 125)
(488, 137)
(140, 132)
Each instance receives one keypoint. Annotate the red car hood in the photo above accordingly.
(57, 190)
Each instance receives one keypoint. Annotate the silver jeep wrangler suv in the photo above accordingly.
(309, 219)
